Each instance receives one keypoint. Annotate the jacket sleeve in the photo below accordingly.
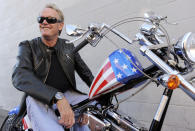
(24, 79)
(83, 70)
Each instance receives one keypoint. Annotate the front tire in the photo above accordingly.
(9, 125)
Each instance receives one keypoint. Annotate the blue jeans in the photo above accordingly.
(44, 118)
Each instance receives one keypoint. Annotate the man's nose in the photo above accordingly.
(45, 22)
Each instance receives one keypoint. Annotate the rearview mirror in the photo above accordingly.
(73, 30)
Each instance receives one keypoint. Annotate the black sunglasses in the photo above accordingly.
(50, 20)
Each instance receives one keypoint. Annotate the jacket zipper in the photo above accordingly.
(69, 58)
(66, 71)
(49, 68)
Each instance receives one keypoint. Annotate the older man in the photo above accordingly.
(45, 72)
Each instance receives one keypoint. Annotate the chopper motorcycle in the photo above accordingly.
(122, 71)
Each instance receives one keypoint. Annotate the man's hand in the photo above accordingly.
(67, 115)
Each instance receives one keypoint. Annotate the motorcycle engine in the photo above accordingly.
(112, 121)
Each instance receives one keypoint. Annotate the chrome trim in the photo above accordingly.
(166, 68)
(113, 116)
(148, 28)
(76, 39)
(182, 45)
(115, 127)
(142, 39)
(127, 126)
(163, 79)
(161, 108)
(73, 30)
(122, 121)
(189, 53)
(192, 80)
(185, 85)
(96, 124)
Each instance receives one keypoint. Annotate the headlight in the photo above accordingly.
(185, 47)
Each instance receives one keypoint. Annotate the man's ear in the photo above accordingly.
(61, 25)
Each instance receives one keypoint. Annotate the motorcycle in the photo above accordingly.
(122, 71)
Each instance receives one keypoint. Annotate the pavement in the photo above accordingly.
(3, 114)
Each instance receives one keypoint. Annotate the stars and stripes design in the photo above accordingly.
(116, 71)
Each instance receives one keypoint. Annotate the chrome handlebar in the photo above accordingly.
(98, 28)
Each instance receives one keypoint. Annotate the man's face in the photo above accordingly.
(48, 30)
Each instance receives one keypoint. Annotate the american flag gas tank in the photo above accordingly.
(116, 71)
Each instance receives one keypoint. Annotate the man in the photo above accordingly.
(45, 72)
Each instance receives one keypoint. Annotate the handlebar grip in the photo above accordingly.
(81, 45)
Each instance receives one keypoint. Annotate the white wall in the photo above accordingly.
(18, 23)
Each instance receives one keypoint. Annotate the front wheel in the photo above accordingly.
(8, 124)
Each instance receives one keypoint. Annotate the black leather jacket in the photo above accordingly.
(33, 63)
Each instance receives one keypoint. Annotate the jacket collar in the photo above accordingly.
(55, 46)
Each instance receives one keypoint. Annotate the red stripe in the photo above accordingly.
(104, 69)
(24, 124)
(105, 82)
(111, 87)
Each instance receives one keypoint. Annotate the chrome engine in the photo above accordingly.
(112, 121)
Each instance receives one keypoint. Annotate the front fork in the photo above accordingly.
(158, 120)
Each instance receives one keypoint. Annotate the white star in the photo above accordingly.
(134, 70)
(124, 66)
(119, 75)
(120, 51)
(115, 61)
